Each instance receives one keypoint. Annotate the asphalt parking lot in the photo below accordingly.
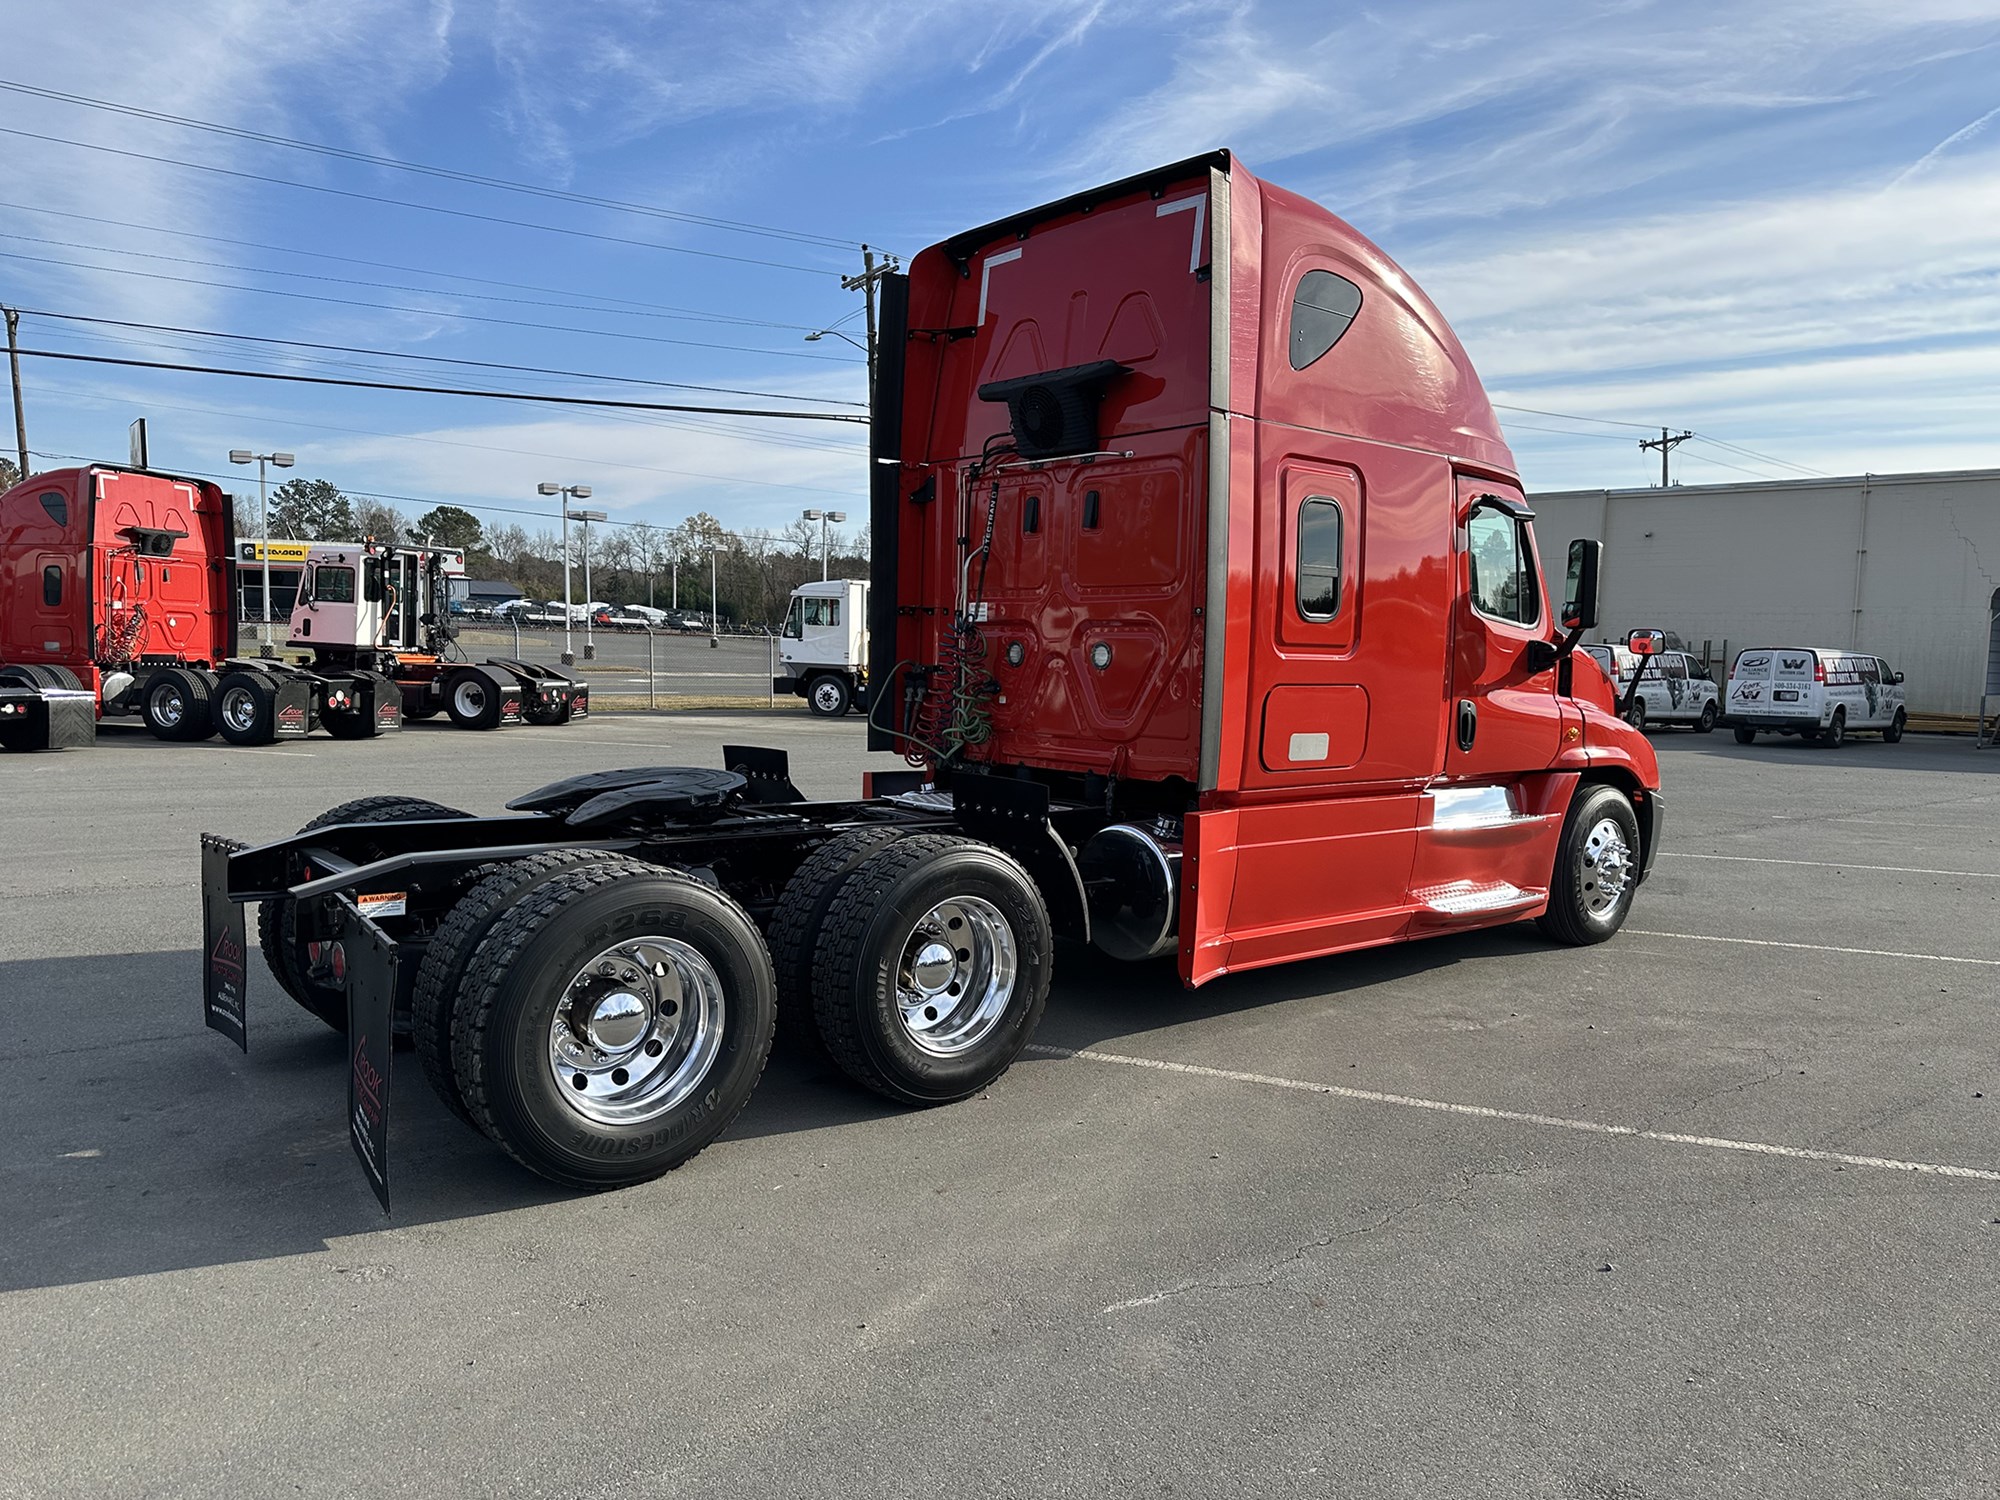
(1713, 1209)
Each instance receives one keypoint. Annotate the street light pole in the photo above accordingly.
(568, 492)
(282, 461)
(714, 613)
(823, 517)
(589, 620)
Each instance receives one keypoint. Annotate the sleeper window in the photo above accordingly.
(1323, 309)
(52, 585)
(1503, 570)
(1319, 559)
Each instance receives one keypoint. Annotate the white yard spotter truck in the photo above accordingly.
(824, 646)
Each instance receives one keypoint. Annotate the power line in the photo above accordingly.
(439, 390)
(1783, 463)
(427, 312)
(429, 208)
(619, 303)
(437, 442)
(1570, 416)
(451, 174)
(385, 286)
(442, 359)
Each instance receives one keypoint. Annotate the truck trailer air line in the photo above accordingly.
(1209, 616)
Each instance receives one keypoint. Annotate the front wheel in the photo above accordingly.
(1745, 735)
(612, 1024)
(1596, 870)
(1895, 730)
(828, 696)
(1706, 723)
(932, 969)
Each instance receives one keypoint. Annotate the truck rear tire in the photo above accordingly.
(1636, 715)
(435, 998)
(472, 700)
(1835, 733)
(245, 708)
(932, 969)
(1596, 869)
(175, 705)
(292, 961)
(795, 929)
(612, 1024)
(829, 696)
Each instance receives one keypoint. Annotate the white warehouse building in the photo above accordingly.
(1903, 566)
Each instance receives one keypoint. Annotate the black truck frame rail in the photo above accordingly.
(372, 894)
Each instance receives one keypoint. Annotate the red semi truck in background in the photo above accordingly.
(1211, 618)
(117, 597)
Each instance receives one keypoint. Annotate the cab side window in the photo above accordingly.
(1319, 559)
(822, 611)
(1502, 567)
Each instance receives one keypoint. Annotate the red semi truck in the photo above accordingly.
(1211, 619)
(117, 597)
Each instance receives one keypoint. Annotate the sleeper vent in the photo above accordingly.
(1055, 413)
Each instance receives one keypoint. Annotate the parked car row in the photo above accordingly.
(1816, 692)
(597, 613)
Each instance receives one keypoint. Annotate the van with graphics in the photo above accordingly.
(1815, 692)
(1675, 689)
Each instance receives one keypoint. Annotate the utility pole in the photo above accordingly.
(865, 284)
(21, 420)
(1666, 442)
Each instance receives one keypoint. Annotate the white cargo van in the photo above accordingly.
(1814, 692)
(1675, 689)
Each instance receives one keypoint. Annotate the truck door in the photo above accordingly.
(1504, 715)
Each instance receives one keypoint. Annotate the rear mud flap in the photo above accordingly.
(225, 967)
(366, 957)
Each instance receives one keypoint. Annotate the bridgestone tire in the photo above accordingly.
(245, 708)
(1745, 735)
(794, 930)
(1706, 723)
(435, 998)
(866, 946)
(472, 699)
(1574, 914)
(1835, 734)
(277, 920)
(1895, 730)
(828, 696)
(175, 705)
(511, 994)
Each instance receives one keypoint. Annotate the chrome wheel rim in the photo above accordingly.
(1607, 869)
(956, 975)
(168, 706)
(239, 709)
(826, 696)
(469, 698)
(637, 1031)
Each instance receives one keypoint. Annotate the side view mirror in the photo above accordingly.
(1895, 676)
(1580, 596)
(1646, 642)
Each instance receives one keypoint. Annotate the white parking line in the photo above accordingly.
(1515, 1116)
(1709, 937)
(1830, 864)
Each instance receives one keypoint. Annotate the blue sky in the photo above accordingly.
(1777, 224)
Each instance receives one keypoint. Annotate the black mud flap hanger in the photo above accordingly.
(1014, 815)
(767, 772)
(225, 955)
